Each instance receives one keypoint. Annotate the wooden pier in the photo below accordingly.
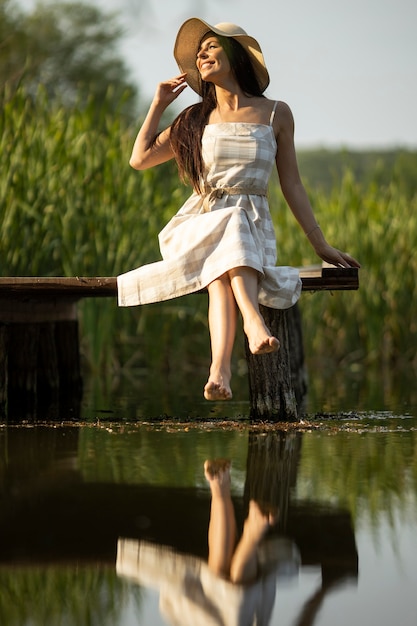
(40, 354)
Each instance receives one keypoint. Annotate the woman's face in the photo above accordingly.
(212, 61)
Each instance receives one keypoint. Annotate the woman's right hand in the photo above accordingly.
(167, 91)
(152, 147)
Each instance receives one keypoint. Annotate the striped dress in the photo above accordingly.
(228, 226)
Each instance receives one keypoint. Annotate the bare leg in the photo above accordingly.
(244, 283)
(222, 323)
(244, 563)
(222, 527)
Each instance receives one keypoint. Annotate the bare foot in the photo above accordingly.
(217, 473)
(271, 344)
(218, 387)
(260, 339)
(258, 521)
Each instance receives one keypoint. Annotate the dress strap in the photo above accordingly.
(271, 119)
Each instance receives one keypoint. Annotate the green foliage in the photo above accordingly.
(377, 225)
(71, 205)
(374, 474)
(54, 595)
(66, 180)
(133, 454)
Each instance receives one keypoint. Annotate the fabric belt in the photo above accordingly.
(214, 193)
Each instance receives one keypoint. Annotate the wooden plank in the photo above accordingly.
(315, 278)
(58, 286)
(330, 278)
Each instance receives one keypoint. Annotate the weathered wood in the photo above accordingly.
(329, 278)
(22, 371)
(271, 393)
(296, 349)
(271, 471)
(58, 287)
(4, 368)
(67, 345)
(23, 309)
(39, 367)
(313, 279)
(47, 360)
(278, 381)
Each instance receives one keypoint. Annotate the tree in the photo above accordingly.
(69, 48)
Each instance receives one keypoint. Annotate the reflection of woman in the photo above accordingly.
(223, 237)
(239, 563)
(234, 588)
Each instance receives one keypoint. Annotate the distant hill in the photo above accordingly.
(324, 169)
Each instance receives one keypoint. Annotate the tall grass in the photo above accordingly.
(62, 595)
(69, 202)
(377, 225)
(71, 205)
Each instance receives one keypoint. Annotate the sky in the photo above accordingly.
(346, 68)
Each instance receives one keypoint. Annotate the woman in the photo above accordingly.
(222, 238)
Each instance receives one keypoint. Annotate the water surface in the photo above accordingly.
(72, 494)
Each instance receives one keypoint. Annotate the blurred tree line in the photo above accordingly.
(70, 48)
(323, 169)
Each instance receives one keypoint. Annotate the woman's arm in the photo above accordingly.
(151, 148)
(295, 193)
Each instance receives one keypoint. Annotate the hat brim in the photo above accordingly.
(188, 42)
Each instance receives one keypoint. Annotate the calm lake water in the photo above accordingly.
(121, 487)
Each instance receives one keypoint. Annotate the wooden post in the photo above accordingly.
(277, 381)
(4, 369)
(22, 378)
(296, 354)
(271, 471)
(39, 356)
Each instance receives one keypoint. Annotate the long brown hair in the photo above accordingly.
(187, 129)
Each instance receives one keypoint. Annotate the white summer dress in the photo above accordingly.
(229, 226)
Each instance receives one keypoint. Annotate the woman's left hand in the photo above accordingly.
(336, 257)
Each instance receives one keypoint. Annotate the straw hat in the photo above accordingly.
(188, 43)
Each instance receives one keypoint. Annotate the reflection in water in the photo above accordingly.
(237, 583)
(197, 546)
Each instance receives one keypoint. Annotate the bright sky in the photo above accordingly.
(347, 68)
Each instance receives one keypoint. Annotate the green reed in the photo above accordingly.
(377, 225)
(71, 205)
(70, 595)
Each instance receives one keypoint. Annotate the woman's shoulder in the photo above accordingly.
(280, 106)
(283, 117)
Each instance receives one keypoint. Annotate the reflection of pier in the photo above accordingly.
(49, 515)
(80, 523)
